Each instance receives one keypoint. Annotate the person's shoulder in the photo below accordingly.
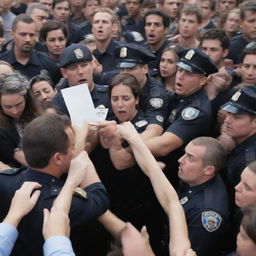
(11, 172)
(101, 88)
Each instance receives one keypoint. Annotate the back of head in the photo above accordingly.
(249, 221)
(215, 153)
(43, 137)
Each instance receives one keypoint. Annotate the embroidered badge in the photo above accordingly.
(141, 123)
(79, 53)
(189, 54)
(156, 102)
(80, 192)
(183, 200)
(159, 118)
(211, 220)
(123, 52)
(189, 113)
(236, 96)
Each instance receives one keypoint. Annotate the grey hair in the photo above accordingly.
(32, 6)
(11, 83)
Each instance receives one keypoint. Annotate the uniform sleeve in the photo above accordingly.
(206, 229)
(86, 209)
(191, 123)
(8, 237)
(58, 246)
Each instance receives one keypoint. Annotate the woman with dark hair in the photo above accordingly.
(16, 110)
(42, 87)
(54, 35)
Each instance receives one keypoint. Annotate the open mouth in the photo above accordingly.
(82, 81)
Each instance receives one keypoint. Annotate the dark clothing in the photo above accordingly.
(154, 101)
(237, 44)
(75, 33)
(130, 24)
(206, 211)
(98, 94)
(86, 28)
(210, 25)
(30, 240)
(77, 18)
(9, 140)
(107, 59)
(37, 62)
(19, 9)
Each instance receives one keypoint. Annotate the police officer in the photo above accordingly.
(203, 195)
(240, 124)
(133, 59)
(76, 67)
(190, 114)
(48, 147)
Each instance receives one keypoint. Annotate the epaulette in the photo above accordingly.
(102, 88)
(12, 171)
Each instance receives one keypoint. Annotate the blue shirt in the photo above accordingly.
(8, 236)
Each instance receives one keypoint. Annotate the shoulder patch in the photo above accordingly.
(80, 193)
(190, 113)
(156, 102)
(12, 171)
(211, 220)
(102, 88)
(141, 123)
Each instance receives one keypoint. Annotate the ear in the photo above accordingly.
(145, 68)
(63, 72)
(137, 101)
(225, 53)
(209, 170)
(203, 81)
(57, 158)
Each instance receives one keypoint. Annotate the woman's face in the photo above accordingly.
(244, 244)
(167, 64)
(123, 103)
(55, 42)
(233, 22)
(43, 91)
(13, 105)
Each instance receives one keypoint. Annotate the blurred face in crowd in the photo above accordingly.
(248, 26)
(224, 5)
(90, 8)
(43, 91)
(123, 103)
(77, 3)
(5, 5)
(188, 25)
(248, 69)
(232, 24)
(13, 105)
(47, 4)
(205, 7)
(172, 7)
(61, 11)
(102, 26)
(246, 189)
(133, 7)
(39, 17)
(167, 64)
(55, 43)
(213, 48)
(79, 73)
(24, 37)
(187, 83)
(112, 4)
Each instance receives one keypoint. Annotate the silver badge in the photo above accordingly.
(172, 116)
(79, 53)
(123, 52)
(159, 118)
(190, 113)
(156, 102)
(189, 54)
(101, 106)
(211, 220)
(183, 200)
(141, 123)
(236, 96)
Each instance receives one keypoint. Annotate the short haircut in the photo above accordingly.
(212, 3)
(216, 34)
(60, 1)
(248, 51)
(165, 17)
(215, 153)
(32, 6)
(53, 25)
(43, 137)
(192, 10)
(247, 6)
(22, 18)
(252, 166)
(126, 80)
(109, 11)
(148, 4)
(249, 221)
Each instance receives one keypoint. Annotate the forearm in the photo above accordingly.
(20, 157)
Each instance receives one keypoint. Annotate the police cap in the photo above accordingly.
(195, 61)
(130, 54)
(242, 102)
(75, 53)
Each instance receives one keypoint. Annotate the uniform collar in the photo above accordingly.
(245, 143)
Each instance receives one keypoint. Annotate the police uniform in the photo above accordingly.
(190, 116)
(154, 100)
(85, 207)
(129, 24)
(37, 62)
(206, 211)
(130, 192)
(73, 54)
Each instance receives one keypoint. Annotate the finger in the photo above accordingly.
(46, 216)
(35, 196)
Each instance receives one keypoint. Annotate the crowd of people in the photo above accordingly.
(172, 169)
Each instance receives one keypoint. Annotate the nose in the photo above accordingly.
(43, 96)
(238, 187)
(181, 159)
(119, 103)
(228, 118)
(80, 69)
(14, 111)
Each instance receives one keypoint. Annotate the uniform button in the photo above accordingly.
(189, 191)
(53, 180)
(55, 190)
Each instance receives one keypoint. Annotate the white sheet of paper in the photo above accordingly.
(79, 104)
